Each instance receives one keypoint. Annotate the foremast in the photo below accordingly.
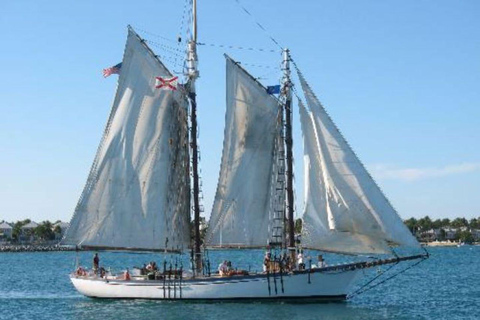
(287, 92)
(192, 74)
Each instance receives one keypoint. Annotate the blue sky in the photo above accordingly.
(401, 79)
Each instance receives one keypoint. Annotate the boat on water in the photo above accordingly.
(143, 190)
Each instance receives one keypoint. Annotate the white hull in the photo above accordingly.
(315, 285)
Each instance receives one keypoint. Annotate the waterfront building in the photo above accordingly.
(59, 226)
(26, 232)
(5, 230)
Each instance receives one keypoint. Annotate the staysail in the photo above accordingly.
(137, 193)
(345, 210)
(240, 214)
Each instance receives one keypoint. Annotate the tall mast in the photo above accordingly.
(289, 145)
(192, 76)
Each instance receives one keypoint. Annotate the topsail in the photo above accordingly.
(345, 210)
(240, 214)
(137, 193)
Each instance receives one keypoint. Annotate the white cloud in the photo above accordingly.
(389, 172)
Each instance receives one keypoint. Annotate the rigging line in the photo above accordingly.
(182, 23)
(258, 24)
(385, 280)
(154, 34)
(180, 33)
(374, 278)
(235, 47)
(261, 66)
(166, 47)
(167, 58)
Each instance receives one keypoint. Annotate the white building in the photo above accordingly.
(5, 230)
(27, 231)
(451, 233)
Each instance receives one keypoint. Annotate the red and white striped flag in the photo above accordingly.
(166, 84)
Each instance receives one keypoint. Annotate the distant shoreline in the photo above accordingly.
(444, 244)
(33, 248)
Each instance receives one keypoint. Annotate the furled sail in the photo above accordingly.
(137, 193)
(345, 210)
(240, 213)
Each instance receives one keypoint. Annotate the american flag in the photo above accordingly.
(112, 70)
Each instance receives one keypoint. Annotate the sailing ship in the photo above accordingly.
(144, 184)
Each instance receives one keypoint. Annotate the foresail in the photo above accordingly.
(345, 210)
(240, 214)
(137, 193)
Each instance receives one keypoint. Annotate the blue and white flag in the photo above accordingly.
(273, 89)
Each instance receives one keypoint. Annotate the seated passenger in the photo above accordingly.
(149, 266)
(126, 275)
(223, 268)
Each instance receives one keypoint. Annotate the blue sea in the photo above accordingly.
(446, 286)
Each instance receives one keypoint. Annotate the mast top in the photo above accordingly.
(194, 12)
(192, 58)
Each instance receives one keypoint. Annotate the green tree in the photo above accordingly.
(445, 222)
(437, 224)
(465, 236)
(459, 222)
(57, 229)
(425, 223)
(44, 231)
(474, 223)
(412, 224)
(17, 228)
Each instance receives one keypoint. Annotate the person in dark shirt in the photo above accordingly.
(96, 261)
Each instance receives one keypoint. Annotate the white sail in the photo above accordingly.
(240, 213)
(137, 193)
(345, 210)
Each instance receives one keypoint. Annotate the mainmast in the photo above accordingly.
(289, 145)
(192, 76)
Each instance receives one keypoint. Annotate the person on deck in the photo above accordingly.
(321, 263)
(300, 263)
(126, 275)
(149, 267)
(223, 268)
(96, 261)
(266, 262)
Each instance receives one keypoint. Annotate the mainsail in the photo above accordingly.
(345, 210)
(137, 193)
(240, 214)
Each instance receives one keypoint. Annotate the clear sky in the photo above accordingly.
(401, 79)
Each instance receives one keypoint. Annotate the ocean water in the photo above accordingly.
(36, 286)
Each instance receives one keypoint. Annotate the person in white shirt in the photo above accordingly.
(321, 263)
(223, 268)
(300, 262)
